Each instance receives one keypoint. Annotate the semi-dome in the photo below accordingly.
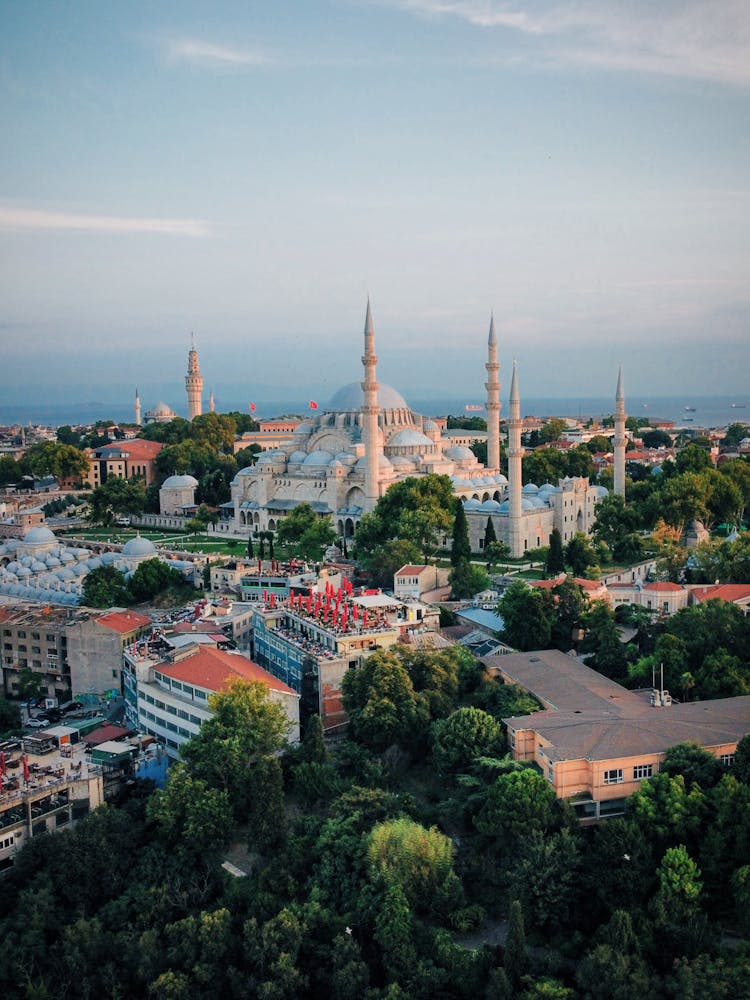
(383, 461)
(409, 438)
(350, 398)
(178, 482)
(139, 546)
(346, 458)
(38, 535)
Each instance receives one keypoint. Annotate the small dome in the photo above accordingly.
(401, 460)
(23, 571)
(93, 563)
(505, 507)
(430, 425)
(272, 457)
(459, 453)
(37, 535)
(65, 574)
(472, 504)
(297, 457)
(67, 557)
(601, 491)
(383, 461)
(139, 547)
(490, 506)
(304, 428)
(108, 558)
(346, 458)
(530, 488)
(335, 464)
(52, 561)
(178, 482)
(409, 438)
(318, 458)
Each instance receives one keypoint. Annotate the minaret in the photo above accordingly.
(515, 470)
(211, 403)
(492, 406)
(370, 413)
(193, 382)
(137, 408)
(620, 439)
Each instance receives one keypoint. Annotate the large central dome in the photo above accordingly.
(350, 399)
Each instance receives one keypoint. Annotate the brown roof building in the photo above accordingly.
(595, 741)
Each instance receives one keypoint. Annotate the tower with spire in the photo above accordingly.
(370, 413)
(492, 405)
(193, 382)
(620, 438)
(211, 403)
(138, 420)
(515, 470)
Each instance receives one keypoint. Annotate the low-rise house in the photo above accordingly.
(661, 596)
(414, 581)
(595, 741)
(134, 459)
(736, 593)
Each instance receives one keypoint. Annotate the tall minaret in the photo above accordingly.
(620, 438)
(492, 406)
(515, 470)
(193, 382)
(211, 403)
(137, 408)
(370, 412)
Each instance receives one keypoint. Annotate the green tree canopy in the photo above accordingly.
(517, 804)
(466, 734)
(311, 533)
(117, 496)
(419, 509)
(527, 615)
(419, 861)
(105, 587)
(381, 702)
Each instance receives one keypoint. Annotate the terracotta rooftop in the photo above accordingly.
(123, 621)
(134, 448)
(213, 669)
(664, 586)
(410, 570)
(722, 591)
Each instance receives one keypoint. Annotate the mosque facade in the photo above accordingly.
(343, 460)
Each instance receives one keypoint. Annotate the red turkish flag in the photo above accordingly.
(313, 405)
(252, 407)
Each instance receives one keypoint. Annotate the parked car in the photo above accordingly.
(37, 723)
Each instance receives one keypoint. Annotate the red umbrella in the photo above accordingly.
(25, 767)
(2, 765)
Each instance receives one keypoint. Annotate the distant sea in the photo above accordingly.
(696, 411)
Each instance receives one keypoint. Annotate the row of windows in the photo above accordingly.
(641, 771)
(181, 713)
(6, 842)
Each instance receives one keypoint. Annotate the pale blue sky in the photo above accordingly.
(250, 171)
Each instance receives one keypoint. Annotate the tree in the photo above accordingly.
(514, 953)
(117, 496)
(394, 930)
(50, 458)
(580, 554)
(419, 509)
(694, 764)
(466, 734)
(692, 458)
(313, 743)
(602, 641)
(381, 702)
(490, 535)
(496, 552)
(741, 766)
(515, 805)
(10, 471)
(552, 430)
(245, 726)
(152, 577)
(308, 531)
(570, 607)
(460, 546)
(266, 817)
(555, 562)
(467, 579)
(666, 810)
(419, 861)
(527, 617)
(192, 818)
(656, 439)
(105, 587)
(599, 443)
(735, 433)
(10, 714)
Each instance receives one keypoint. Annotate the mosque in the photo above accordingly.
(161, 413)
(367, 438)
(38, 567)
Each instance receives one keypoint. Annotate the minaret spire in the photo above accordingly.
(620, 439)
(492, 405)
(137, 408)
(370, 413)
(193, 382)
(515, 470)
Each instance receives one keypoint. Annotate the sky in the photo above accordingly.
(250, 172)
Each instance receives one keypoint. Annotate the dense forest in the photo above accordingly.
(412, 859)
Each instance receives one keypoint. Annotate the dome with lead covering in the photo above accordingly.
(350, 398)
(139, 546)
(38, 535)
(178, 482)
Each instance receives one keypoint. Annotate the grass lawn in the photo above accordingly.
(207, 544)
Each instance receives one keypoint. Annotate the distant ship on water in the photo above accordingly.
(738, 406)
(690, 409)
(472, 407)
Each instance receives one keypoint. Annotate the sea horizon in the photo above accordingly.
(698, 411)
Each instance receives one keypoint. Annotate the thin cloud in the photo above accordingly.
(201, 53)
(29, 219)
(693, 40)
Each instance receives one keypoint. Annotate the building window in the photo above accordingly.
(613, 777)
(641, 771)
(727, 759)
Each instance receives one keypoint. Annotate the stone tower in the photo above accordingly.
(370, 413)
(492, 405)
(211, 403)
(620, 439)
(138, 420)
(515, 470)
(193, 382)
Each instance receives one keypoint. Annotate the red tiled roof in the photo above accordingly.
(557, 580)
(123, 621)
(135, 448)
(663, 585)
(104, 733)
(410, 570)
(722, 591)
(213, 669)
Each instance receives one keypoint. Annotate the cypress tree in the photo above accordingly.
(490, 534)
(514, 956)
(249, 548)
(555, 559)
(313, 744)
(461, 547)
